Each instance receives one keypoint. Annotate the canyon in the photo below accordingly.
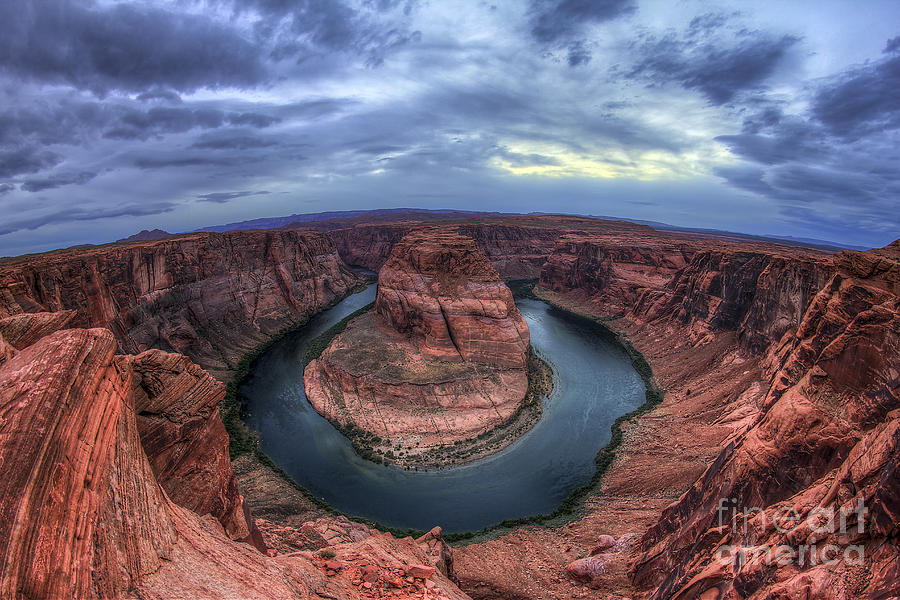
(780, 367)
(441, 359)
(210, 296)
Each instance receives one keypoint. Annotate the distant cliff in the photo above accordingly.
(760, 293)
(209, 296)
(825, 441)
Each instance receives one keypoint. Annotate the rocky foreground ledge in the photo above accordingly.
(442, 359)
(116, 484)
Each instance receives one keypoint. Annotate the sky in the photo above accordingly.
(761, 117)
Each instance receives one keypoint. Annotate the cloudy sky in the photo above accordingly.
(774, 117)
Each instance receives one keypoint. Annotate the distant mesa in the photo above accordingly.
(441, 359)
(146, 235)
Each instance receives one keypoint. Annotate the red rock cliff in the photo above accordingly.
(438, 287)
(827, 438)
(517, 246)
(83, 516)
(209, 296)
(759, 292)
(177, 405)
(441, 359)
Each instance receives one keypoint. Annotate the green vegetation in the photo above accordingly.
(522, 288)
(243, 441)
(573, 506)
(318, 345)
(327, 553)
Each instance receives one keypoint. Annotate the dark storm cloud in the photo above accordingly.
(717, 69)
(55, 181)
(6, 188)
(555, 20)
(17, 161)
(223, 197)
(561, 23)
(892, 45)
(579, 54)
(251, 119)
(123, 47)
(830, 162)
(232, 142)
(298, 29)
(863, 100)
(48, 120)
(777, 139)
(135, 124)
(154, 162)
(86, 212)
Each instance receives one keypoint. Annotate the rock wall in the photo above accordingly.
(438, 287)
(827, 437)
(443, 358)
(517, 246)
(82, 514)
(68, 437)
(209, 296)
(21, 331)
(177, 406)
(618, 276)
(759, 293)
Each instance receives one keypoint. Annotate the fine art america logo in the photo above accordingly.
(820, 523)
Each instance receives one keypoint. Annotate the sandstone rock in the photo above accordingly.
(439, 288)
(443, 357)
(517, 246)
(420, 571)
(82, 515)
(587, 569)
(604, 542)
(68, 436)
(210, 296)
(181, 432)
(439, 553)
(819, 443)
(760, 292)
(6, 351)
(22, 330)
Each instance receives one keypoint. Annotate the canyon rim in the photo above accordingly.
(508, 300)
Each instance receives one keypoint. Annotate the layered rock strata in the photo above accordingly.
(21, 331)
(177, 406)
(517, 246)
(825, 442)
(758, 292)
(442, 358)
(82, 514)
(212, 297)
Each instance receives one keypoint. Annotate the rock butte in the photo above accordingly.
(781, 367)
(442, 358)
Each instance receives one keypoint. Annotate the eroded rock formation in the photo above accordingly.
(442, 358)
(442, 292)
(826, 440)
(780, 368)
(517, 246)
(758, 292)
(82, 514)
(177, 406)
(212, 297)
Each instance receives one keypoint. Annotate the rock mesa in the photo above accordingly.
(443, 357)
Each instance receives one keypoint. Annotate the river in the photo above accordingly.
(594, 383)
